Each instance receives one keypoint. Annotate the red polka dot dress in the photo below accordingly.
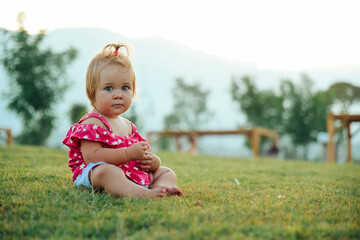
(108, 139)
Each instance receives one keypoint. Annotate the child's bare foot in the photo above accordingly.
(174, 190)
(159, 192)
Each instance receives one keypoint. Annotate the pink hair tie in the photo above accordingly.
(116, 52)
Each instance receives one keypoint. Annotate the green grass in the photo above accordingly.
(273, 200)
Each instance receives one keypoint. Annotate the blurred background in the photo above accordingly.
(282, 65)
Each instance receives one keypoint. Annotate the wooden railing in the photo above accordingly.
(254, 134)
(9, 137)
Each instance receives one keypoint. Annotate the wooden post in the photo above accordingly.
(193, 140)
(349, 154)
(178, 143)
(331, 132)
(9, 140)
(346, 120)
(255, 140)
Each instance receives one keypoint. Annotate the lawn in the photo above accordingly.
(226, 198)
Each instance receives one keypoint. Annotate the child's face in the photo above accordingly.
(115, 91)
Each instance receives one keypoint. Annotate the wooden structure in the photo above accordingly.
(9, 137)
(254, 134)
(346, 120)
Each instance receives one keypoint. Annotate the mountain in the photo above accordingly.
(158, 62)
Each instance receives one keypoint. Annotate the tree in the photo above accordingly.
(36, 81)
(76, 112)
(262, 108)
(344, 94)
(189, 110)
(306, 111)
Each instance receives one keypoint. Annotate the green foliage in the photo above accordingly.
(76, 112)
(189, 110)
(164, 142)
(262, 108)
(305, 111)
(37, 130)
(273, 200)
(36, 82)
(344, 94)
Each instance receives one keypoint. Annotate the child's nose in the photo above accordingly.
(118, 94)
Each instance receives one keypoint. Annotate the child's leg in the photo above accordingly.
(164, 176)
(113, 180)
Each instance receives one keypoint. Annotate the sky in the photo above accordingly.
(273, 34)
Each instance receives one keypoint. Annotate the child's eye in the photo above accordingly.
(108, 89)
(125, 88)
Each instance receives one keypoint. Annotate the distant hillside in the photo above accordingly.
(158, 62)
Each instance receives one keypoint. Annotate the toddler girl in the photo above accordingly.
(106, 151)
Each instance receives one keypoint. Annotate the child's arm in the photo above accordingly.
(94, 152)
(149, 165)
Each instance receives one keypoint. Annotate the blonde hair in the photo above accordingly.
(112, 54)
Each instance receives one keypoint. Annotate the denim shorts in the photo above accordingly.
(83, 178)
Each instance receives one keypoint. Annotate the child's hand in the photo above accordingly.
(151, 163)
(137, 151)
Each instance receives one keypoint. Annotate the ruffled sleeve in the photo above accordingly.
(92, 132)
